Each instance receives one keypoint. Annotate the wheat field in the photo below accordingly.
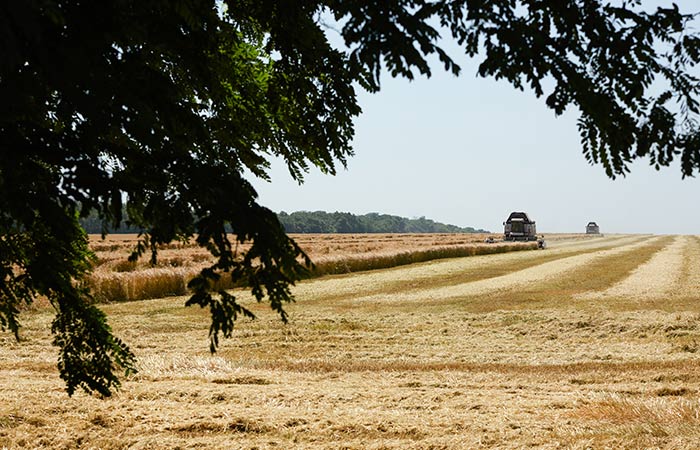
(114, 278)
(592, 343)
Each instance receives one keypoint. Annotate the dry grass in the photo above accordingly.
(668, 419)
(535, 362)
(657, 278)
(117, 279)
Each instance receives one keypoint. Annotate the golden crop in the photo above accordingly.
(593, 343)
(116, 279)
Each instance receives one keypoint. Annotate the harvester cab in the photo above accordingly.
(519, 227)
(592, 228)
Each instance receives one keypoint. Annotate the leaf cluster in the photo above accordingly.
(156, 109)
(631, 74)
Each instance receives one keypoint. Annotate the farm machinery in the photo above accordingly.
(592, 228)
(519, 227)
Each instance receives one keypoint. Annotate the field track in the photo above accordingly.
(453, 272)
(592, 343)
(671, 271)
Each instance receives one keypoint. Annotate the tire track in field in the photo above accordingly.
(593, 242)
(690, 281)
(448, 271)
(519, 279)
(659, 277)
(460, 270)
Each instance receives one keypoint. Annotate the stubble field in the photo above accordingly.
(592, 343)
(116, 279)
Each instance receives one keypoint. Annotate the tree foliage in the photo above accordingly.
(168, 104)
(323, 222)
(340, 222)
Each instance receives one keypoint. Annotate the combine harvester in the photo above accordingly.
(519, 227)
(592, 228)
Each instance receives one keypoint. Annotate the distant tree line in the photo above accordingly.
(345, 222)
(324, 222)
(92, 224)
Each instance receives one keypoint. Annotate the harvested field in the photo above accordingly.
(116, 279)
(593, 343)
(657, 278)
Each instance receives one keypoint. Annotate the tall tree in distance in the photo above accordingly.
(168, 103)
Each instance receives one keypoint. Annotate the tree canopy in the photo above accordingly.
(165, 106)
(324, 222)
(344, 222)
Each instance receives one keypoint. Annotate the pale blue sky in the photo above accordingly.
(468, 151)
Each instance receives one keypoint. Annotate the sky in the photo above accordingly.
(467, 151)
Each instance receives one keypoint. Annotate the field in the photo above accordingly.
(117, 279)
(592, 343)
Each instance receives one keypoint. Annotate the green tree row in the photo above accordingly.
(324, 222)
(345, 222)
